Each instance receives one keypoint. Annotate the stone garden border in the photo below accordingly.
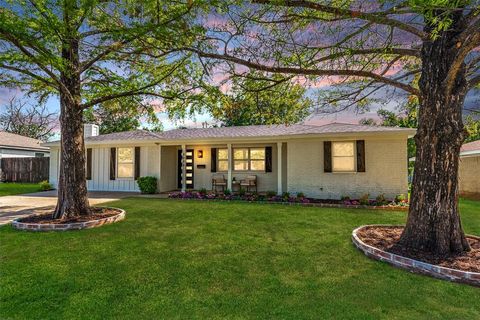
(415, 266)
(27, 226)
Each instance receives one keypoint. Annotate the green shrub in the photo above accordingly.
(364, 199)
(45, 185)
(271, 194)
(345, 198)
(203, 192)
(381, 200)
(400, 198)
(286, 195)
(242, 192)
(227, 192)
(147, 184)
(300, 195)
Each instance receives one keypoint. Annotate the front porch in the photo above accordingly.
(193, 166)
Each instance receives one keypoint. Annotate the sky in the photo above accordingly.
(350, 116)
(317, 119)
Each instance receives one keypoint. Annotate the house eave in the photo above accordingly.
(39, 149)
(215, 140)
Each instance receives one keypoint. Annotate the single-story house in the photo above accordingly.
(469, 169)
(17, 146)
(327, 161)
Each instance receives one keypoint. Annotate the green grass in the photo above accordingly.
(8, 188)
(189, 259)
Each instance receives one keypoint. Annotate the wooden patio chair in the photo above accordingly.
(249, 182)
(219, 181)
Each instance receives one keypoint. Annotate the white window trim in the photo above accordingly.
(354, 157)
(116, 164)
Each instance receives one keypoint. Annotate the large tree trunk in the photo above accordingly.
(72, 186)
(433, 223)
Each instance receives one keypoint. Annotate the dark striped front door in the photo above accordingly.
(189, 166)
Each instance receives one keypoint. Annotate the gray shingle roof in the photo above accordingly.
(12, 140)
(471, 146)
(272, 130)
(125, 136)
(242, 132)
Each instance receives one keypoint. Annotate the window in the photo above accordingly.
(343, 156)
(249, 159)
(222, 158)
(240, 159)
(125, 167)
(257, 159)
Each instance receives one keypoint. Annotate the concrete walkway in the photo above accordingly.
(12, 207)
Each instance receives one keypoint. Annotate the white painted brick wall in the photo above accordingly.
(386, 170)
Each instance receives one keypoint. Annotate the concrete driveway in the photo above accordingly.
(12, 207)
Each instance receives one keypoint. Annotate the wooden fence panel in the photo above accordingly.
(25, 169)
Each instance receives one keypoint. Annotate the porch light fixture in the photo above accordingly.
(200, 154)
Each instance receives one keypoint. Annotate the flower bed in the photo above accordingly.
(286, 198)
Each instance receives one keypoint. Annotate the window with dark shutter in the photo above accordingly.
(213, 164)
(327, 156)
(268, 159)
(89, 164)
(361, 167)
(113, 158)
(137, 163)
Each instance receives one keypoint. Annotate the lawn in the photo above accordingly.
(190, 259)
(8, 189)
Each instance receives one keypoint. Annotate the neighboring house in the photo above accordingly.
(17, 146)
(469, 169)
(326, 161)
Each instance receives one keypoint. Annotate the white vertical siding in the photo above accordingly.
(54, 166)
(100, 181)
(101, 169)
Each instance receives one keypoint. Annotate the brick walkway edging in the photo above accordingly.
(415, 266)
(68, 226)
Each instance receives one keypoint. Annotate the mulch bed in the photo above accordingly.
(97, 213)
(385, 238)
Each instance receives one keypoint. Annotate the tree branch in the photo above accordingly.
(133, 92)
(379, 17)
(29, 73)
(304, 71)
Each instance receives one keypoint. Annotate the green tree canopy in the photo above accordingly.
(252, 99)
(92, 52)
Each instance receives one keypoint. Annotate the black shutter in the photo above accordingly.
(137, 163)
(361, 156)
(327, 156)
(89, 164)
(213, 165)
(268, 159)
(113, 159)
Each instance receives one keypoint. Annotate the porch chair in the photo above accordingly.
(249, 182)
(219, 181)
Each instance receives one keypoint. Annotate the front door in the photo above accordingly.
(189, 165)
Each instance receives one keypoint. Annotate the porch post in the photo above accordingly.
(184, 169)
(279, 168)
(159, 184)
(230, 162)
